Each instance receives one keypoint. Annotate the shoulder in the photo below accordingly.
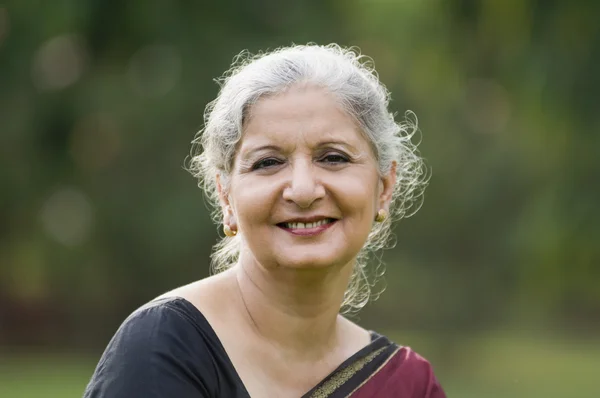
(161, 348)
(404, 372)
(206, 295)
(416, 372)
(167, 306)
(163, 321)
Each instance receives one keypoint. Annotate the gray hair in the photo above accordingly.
(351, 78)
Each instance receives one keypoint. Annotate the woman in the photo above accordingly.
(306, 167)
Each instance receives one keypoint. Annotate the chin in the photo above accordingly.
(300, 259)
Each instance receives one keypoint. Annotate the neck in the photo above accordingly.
(295, 310)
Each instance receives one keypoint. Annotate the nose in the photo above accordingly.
(304, 187)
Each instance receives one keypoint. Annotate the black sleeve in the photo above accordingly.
(154, 354)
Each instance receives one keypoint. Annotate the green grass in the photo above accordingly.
(50, 376)
(493, 366)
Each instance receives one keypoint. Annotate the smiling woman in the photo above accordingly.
(306, 168)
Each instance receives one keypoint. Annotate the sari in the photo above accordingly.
(167, 348)
(382, 369)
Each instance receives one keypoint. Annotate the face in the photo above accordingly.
(305, 188)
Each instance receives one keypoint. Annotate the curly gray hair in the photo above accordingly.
(351, 78)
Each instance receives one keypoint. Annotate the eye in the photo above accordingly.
(266, 163)
(334, 158)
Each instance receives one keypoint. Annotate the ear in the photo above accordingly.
(228, 215)
(386, 187)
(223, 194)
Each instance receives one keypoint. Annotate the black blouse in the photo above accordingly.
(167, 348)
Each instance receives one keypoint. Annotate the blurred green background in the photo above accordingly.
(496, 280)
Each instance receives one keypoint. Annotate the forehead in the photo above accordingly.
(307, 114)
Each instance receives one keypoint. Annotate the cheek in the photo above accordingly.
(358, 198)
(252, 201)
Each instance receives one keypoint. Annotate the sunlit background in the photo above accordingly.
(496, 280)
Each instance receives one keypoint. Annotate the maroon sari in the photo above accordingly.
(382, 369)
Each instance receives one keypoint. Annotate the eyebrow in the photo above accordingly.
(249, 153)
(340, 143)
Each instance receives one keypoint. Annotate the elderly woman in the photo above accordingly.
(306, 168)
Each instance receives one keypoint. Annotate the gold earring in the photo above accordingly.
(228, 231)
(381, 215)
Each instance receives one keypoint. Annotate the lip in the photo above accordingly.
(306, 219)
(307, 231)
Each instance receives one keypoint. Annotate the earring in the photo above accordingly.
(228, 231)
(381, 215)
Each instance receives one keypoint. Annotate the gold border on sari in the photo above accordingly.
(376, 371)
(342, 376)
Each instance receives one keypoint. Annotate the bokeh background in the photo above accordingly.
(496, 280)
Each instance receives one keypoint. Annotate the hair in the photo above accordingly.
(352, 79)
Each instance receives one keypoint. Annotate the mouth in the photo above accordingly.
(307, 227)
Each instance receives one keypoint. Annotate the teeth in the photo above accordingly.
(301, 225)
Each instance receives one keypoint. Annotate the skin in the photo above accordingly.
(301, 156)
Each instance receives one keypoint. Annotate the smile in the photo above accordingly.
(307, 228)
(301, 225)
